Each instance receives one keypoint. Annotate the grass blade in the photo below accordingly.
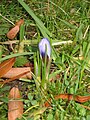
(68, 24)
(37, 20)
(15, 55)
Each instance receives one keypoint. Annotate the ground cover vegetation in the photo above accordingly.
(56, 84)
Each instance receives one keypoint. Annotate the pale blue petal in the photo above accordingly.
(43, 44)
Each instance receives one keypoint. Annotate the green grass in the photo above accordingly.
(60, 21)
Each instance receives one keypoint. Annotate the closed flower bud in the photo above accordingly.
(45, 48)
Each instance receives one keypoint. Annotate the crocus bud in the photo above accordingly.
(45, 48)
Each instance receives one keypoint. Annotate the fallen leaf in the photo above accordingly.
(14, 78)
(82, 99)
(20, 22)
(69, 97)
(6, 66)
(16, 71)
(13, 32)
(15, 105)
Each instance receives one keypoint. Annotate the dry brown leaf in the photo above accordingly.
(20, 22)
(13, 32)
(82, 99)
(16, 71)
(6, 66)
(15, 105)
(69, 97)
(14, 78)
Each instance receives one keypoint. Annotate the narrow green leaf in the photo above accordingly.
(59, 8)
(68, 24)
(21, 32)
(79, 34)
(43, 32)
(52, 75)
(37, 20)
(15, 55)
